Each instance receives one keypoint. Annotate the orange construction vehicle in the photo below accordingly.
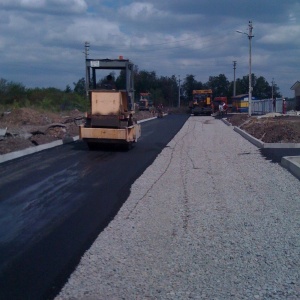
(201, 103)
(110, 119)
(144, 103)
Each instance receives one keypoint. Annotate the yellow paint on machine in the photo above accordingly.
(129, 134)
(108, 102)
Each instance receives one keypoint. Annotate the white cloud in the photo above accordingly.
(30, 3)
(168, 37)
(58, 6)
(288, 34)
(95, 30)
(140, 11)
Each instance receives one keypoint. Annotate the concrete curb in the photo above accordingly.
(292, 164)
(31, 150)
(145, 120)
(226, 122)
(261, 144)
(250, 138)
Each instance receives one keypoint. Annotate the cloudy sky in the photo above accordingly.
(42, 41)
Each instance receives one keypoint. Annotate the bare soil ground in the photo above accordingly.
(26, 127)
(269, 128)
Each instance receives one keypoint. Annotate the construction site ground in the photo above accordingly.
(270, 128)
(27, 127)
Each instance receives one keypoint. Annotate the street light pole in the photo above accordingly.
(234, 83)
(179, 92)
(87, 79)
(250, 36)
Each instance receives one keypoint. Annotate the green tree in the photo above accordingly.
(190, 84)
(68, 89)
(165, 86)
(261, 88)
(3, 91)
(121, 80)
(276, 91)
(157, 97)
(219, 85)
(242, 85)
(79, 87)
(17, 91)
(3, 86)
(12, 93)
(144, 81)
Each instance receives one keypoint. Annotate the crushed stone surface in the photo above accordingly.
(211, 218)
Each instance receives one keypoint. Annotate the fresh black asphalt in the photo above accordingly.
(53, 204)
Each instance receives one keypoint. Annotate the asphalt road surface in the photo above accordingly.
(54, 204)
(210, 218)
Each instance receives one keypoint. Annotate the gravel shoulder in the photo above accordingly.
(209, 219)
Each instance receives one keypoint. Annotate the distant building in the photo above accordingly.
(240, 103)
(296, 88)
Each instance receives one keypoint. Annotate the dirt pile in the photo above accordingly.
(269, 128)
(26, 127)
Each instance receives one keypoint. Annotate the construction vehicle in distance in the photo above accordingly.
(144, 102)
(201, 103)
(110, 119)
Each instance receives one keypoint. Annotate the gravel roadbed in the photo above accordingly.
(211, 218)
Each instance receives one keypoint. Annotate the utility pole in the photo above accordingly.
(234, 83)
(179, 92)
(273, 100)
(250, 36)
(87, 79)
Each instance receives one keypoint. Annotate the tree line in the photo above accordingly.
(16, 95)
(166, 89)
(163, 89)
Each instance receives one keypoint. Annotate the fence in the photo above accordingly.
(265, 106)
